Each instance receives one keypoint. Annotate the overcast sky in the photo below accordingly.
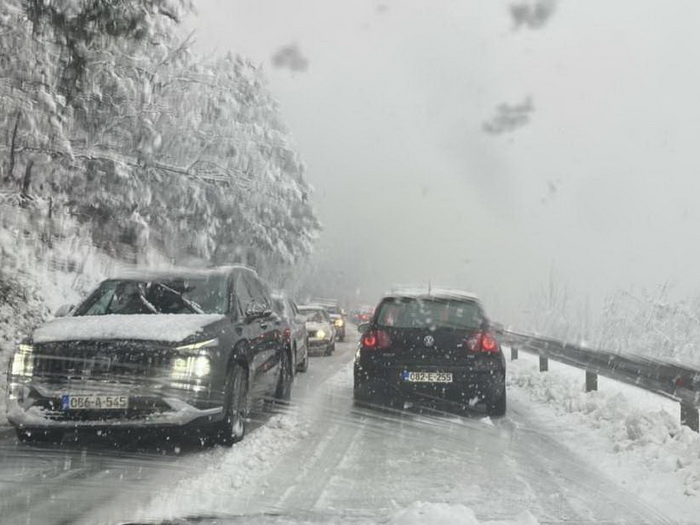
(387, 101)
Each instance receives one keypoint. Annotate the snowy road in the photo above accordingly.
(326, 459)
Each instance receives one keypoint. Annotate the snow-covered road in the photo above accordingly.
(324, 460)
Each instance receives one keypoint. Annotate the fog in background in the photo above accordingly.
(590, 177)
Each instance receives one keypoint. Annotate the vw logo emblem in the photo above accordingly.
(429, 340)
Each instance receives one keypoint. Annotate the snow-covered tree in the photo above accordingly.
(109, 119)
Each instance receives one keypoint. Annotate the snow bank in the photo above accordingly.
(424, 513)
(214, 489)
(630, 435)
(161, 327)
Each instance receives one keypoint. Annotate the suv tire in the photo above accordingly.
(233, 427)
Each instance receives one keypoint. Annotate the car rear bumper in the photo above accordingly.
(468, 386)
(39, 407)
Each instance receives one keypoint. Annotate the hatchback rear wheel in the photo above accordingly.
(497, 407)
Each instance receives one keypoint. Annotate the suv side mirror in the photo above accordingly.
(363, 328)
(254, 310)
(257, 310)
(64, 310)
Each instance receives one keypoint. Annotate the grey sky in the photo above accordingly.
(389, 117)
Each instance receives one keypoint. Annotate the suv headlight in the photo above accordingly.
(185, 368)
(23, 361)
(196, 366)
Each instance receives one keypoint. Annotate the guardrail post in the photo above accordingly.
(513, 353)
(544, 364)
(591, 381)
(689, 417)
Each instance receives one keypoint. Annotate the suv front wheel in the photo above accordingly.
(232, 428)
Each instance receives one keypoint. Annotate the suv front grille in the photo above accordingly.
(109, 361)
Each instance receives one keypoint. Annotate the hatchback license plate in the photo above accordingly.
(427, 377)
(95, 402)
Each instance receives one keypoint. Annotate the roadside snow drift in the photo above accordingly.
(633, 435)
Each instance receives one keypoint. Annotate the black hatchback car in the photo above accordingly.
(433, 347)
(186, 348)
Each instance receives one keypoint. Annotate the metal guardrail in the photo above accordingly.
(674, 381)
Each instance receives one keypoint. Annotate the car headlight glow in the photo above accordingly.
(339, 322)
(23, 361)
(185, 368)
(320, 334)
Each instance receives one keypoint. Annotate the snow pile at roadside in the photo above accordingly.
(213, 491)
(422, 513)
(637, 434)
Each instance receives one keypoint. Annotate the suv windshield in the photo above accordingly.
(191, 295)
(429, 313)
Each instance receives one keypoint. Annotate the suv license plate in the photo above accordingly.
(94, 402)
(427, 377)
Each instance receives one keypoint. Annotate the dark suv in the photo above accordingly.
(186, 348)
(432, 347)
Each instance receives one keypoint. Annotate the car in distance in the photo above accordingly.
(319, 328)
(187, 349)
(433, 347)
(337, 315)
(363, 314)
(295, 335)
(339, 325)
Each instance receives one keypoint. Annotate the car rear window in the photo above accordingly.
(430, 313)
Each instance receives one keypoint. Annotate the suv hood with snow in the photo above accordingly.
(145, 327)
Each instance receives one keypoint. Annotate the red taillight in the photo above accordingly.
(482, 342)
(488, 343)
(369, 340)
(376, 340)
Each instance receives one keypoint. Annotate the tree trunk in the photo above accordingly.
(27, 179)
(13, 147)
